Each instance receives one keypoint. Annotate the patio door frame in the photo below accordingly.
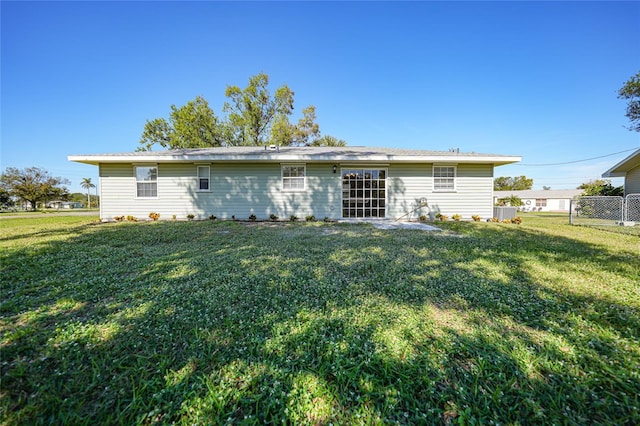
(364, 191)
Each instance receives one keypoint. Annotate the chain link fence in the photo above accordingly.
(632, 208)
(597, 211)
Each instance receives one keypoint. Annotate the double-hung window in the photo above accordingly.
(444, 178)
(146, 181)
(203, 178)
(293, 177)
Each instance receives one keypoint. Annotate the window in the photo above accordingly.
(293, 177)
(444, 178)
(364, 192)
(203, 178)
(541, 202)
(146, 181)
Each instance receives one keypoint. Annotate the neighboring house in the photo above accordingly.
(629, 168)
(333, 182)
(544, 200)
(64, 205)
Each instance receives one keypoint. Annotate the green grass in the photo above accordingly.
(314, 323)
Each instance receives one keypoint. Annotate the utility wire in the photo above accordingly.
(576, 161)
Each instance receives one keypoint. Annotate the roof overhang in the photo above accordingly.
(344, 155)
(624, 166)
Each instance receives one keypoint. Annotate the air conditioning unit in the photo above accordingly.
(503, 213)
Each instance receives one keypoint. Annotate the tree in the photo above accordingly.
(5, 198)
(601, 187)
(631, 92)
(33, 185)
(252, 110)
(328, 141)
(254, 117)
(512, 200)
(193, 125)
(518, 183)
(87, 184)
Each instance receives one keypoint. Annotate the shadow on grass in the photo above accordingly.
(215, 322)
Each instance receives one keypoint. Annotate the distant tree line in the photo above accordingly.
(601, 187)
(253, 117)
(518, 183)
(35, 186)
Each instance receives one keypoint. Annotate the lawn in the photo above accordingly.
(314, 323)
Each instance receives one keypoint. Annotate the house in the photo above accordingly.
(64, 205)
(629, 168)
(545, 200)
(333, 182)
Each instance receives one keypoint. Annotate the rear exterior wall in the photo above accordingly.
(242, 189)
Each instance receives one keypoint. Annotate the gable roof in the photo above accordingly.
(312, 154)
(621, 169)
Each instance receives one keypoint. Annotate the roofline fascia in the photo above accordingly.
(100, 159)
(612, 172)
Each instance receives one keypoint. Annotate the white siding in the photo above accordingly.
(632, 181)
(236, 190)
(242, 189)
(411, 183)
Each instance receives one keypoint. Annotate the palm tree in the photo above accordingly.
(86, 184)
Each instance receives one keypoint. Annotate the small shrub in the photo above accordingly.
(456, 217)
(118, 218)
(442, 217)
(173, 217)
(273, 217)
(293, 218)
(132, 218)
(517, 220)
(233, 217)
(190, 216)
(506, 220)
(310, 218)
(154, 216)
(476, 218)
(493, 219)
(252, 217)
(326, 219)
(423, 218)
(212, 217)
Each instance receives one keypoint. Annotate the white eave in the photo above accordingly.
(621, 169)
(297, 154)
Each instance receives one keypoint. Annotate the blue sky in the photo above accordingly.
(536, 79)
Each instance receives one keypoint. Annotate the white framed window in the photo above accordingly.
(294, 177)
(204, 175)
(146, 181)
(444, 178)
(541, 202)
